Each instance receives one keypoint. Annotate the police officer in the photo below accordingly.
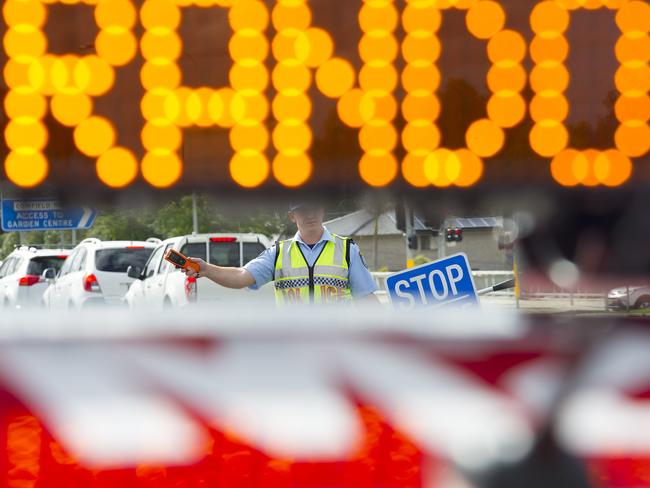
(314, 267)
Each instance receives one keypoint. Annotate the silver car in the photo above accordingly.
(639, 297)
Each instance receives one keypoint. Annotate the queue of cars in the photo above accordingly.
(131, 273)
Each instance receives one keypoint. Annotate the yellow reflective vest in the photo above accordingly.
(325, 282)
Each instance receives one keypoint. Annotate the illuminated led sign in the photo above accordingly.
(296, 58)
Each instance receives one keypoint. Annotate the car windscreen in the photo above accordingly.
(5, 267)
(41, 263)
(194, 250)
(252, 250)
(224, 253)
(117, 260)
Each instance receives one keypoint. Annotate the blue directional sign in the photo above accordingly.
(444, 283)
(44, 214)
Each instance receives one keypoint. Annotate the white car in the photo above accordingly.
(22, 283)
(95, 273)
(617, 299)
(159, 284)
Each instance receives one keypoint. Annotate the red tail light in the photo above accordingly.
(135, 247)
(223, 239)
(91, 284)
(190, 289)
(29, 280)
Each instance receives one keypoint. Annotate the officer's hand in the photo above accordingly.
(193, 274)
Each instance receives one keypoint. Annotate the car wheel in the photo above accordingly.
(643, 302)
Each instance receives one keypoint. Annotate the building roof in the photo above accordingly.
(362, 223)
(475, 222)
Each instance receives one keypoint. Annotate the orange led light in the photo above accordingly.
(162, 169)
(249, 168)
(292, 170)
(241, 107)
(304, 59)
(117, 167)
(506, 79)
(70, 80)
(94, 136)
(549, 80)
(373, 108)
(590, 167)
(26, 168)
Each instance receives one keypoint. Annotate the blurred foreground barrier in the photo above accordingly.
(253, 399)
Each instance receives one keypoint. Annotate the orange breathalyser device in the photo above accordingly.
(180, 261)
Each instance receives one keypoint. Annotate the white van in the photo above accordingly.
(159, 284)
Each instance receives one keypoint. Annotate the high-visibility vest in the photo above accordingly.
(325, 282)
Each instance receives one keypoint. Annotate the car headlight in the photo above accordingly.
(615, 294)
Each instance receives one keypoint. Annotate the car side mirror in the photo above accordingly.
(134, 272)
(49, 275)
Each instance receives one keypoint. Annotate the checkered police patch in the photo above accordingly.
(295, 283)
(325, 281)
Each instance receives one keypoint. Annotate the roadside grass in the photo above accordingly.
(640, 312)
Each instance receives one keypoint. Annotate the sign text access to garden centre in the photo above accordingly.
(44, 214)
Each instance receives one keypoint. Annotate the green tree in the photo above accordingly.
(600, 134)
(55, 238)
(606, 126)
(122, 226)
(420, 259)
(175, 218)
(267, 224)
(9, 241)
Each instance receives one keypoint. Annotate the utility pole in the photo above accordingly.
(195, 218)
(515, 272)
(442, 243)
(516, 265)
(408, 214)
(376, 244)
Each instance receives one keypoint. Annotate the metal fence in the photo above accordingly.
(482, 279)
(485, 279)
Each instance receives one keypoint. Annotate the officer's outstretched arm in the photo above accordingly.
(228, 277)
